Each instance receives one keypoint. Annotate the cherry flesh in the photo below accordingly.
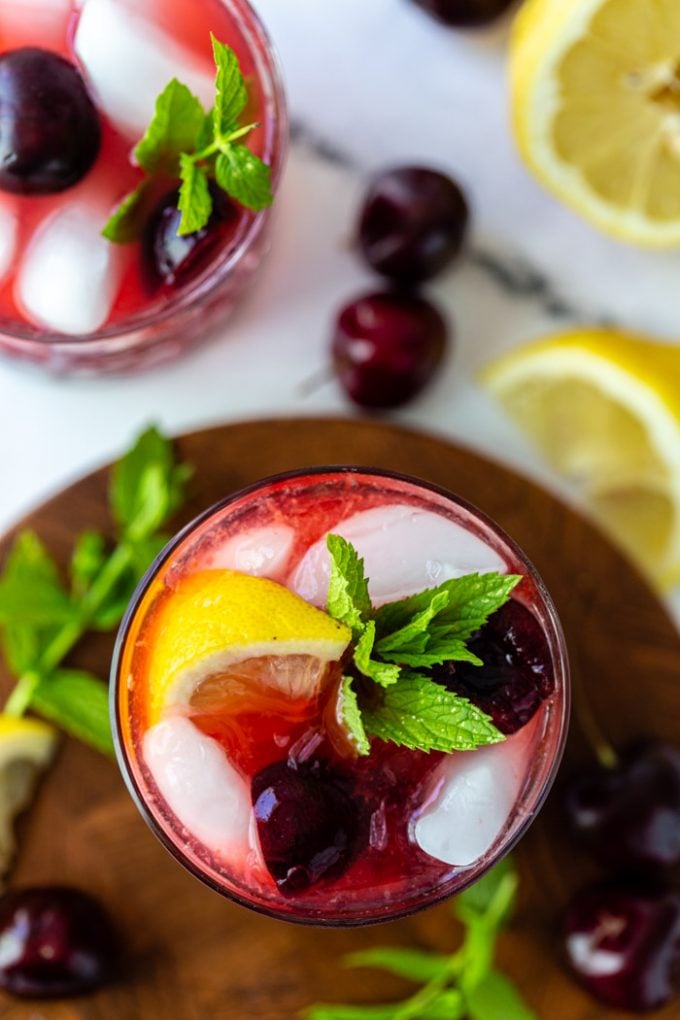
(413, 223)
(463, 13)
(386, 348)
(517, 673)
(49, 128)
(623, 944)
(629, 816)
(173, 259)
(307, 824)
(54, 942)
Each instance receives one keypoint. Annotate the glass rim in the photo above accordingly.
(357, 919)
(275, 120)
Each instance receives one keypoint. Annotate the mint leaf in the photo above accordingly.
(418, 713)
(21, 647)
(381, 672)
(31, 591)
(471, 600)
(412, 636)
(244, 176)
(176, 125)
(331, 1012)
(230, 85)
(412, 964)
(87, 559)
(79, 703)
(496, 998)
(147, 486)
(195, 201)
(348, 599)
(490, 899)
(127, 221)
(351, 717)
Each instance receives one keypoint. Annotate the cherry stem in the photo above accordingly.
(591, 729)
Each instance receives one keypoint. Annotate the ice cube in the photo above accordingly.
(70, 274)
(262, 552)
(9, 235)
(202, 789)
(129, 61)
(473, 794)
(22, 22)
(404, 551)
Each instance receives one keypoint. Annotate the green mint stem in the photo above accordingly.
(67, 636)
(413, 1007)
(221, 143)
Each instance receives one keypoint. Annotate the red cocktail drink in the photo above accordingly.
(230, 688)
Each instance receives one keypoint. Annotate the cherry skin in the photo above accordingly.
(413, 223)
(386, 348)
(517, 673)
(172, 259)
(623, 944)
(464, 13)
(54, 942)
(629, 816)
(306, 822)
(49, 127)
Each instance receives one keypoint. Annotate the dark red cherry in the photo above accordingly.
(386, 348)
(463, 13)
(307, 824)
(629, 816)
(413, 223)
(517, 672)
(54, 942)
(49, 127)
(173, 259)
(623, 944)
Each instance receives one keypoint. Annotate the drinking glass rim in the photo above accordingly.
(275, 116)
(563, 689)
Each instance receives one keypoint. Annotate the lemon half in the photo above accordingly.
(27, 747)
(596, 109)
(604, 407)
(217, 618)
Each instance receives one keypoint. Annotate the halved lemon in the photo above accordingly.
(596, 109)
(230, 633)
(27, 747)
(604, 407)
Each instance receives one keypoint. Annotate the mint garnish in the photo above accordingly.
(42, 617)
(392, 699)
(463, 984)
(185, 143)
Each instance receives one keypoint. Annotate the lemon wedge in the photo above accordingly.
(604, 407)
(27, 747)
(239, 629)
(596, 109)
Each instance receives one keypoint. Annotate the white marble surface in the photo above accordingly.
(370, 84)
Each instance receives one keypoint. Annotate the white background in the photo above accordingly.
(374, 82)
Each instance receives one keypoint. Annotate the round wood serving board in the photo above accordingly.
(192, 955)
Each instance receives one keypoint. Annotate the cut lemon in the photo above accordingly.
(596, 109)
(605, 409)
(26, 749)
(231, 631)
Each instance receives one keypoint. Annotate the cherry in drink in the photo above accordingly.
(324, 751)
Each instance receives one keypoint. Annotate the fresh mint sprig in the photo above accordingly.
(42, 617)
(454, 986)
(188, 144)
(384, 693)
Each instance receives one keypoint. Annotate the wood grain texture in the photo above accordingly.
(192, 955)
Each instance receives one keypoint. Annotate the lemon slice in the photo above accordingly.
(605, 409)
(596, 110)
(217, 620)
(26, 749)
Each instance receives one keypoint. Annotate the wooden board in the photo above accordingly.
(192, 955)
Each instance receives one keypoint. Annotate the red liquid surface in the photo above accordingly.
(189, 24)
(388, 872)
